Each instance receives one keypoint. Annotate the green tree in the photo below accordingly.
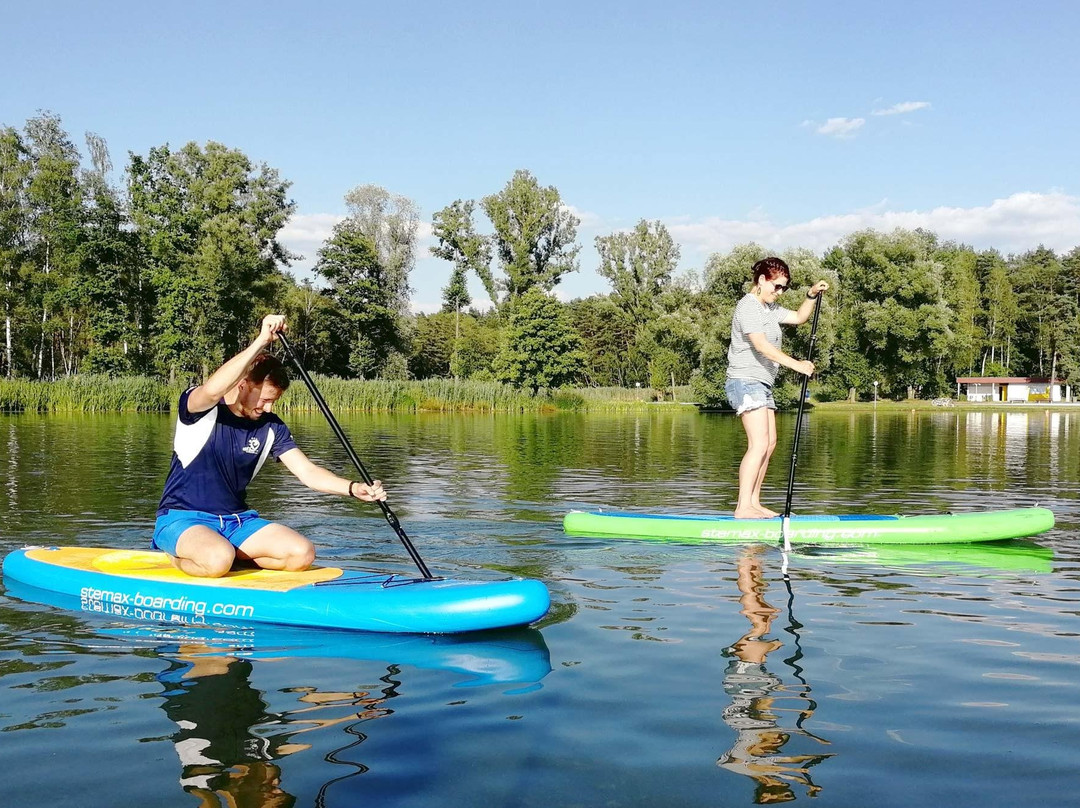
(208, 221)
(609, 343)
(15, 168)
(459, 243)
(534, 236)
(1069, 346)
(478, 347)
(1045, 302)
(390, 222)
(962, 294)
(672, 345)
(1000, 309)
(899, 312)
(851, 370)
(109, 278)
(541, 348)
(318, 328)
(467, 250)
(54, 198)
(434, 345)
(358, 287)
(639, 265)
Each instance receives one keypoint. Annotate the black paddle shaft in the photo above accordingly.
(391, 518)
(802, 405)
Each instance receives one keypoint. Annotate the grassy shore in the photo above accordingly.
(953, 405)
(90, 394)
(99, 394)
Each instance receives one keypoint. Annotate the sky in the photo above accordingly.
(789, 124)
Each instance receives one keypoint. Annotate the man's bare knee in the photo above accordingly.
(300, 559)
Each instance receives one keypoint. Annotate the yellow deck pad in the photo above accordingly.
(148, 565)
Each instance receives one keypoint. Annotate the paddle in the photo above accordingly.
(391, 519)
(798, 429)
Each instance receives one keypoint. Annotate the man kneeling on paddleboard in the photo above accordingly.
(224, 433)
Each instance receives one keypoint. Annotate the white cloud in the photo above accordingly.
(425, 236)
(304, 234)
(1016, 223)
(902, 108)
(840, 127)
(425, 308)
(586, 218)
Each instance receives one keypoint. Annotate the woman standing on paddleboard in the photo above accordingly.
(754, 359)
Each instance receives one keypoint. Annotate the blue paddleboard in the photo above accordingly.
(143, 585)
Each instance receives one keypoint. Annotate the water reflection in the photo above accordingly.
(228, 741)
(759, 699)
(232, 745)
(223, 758)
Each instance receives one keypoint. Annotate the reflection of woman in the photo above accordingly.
(753, 713)
(754, 359)
(214, 707)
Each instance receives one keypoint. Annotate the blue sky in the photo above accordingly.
(789, 124)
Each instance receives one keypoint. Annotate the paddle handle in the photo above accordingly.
(391, 517)
(799, 418)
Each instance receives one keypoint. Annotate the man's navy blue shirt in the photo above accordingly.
(216, 454)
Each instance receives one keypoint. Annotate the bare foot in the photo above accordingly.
(749, 513)
(768, 512)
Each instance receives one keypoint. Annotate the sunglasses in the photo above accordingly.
(779, 287)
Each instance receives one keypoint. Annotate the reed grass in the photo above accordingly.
(99, 394)
(86, 393)
(428, 395)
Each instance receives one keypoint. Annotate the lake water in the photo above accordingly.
(665, 675)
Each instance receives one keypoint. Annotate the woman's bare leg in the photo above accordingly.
(756, 423)
(770, 448)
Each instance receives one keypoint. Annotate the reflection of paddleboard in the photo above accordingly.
(1013, 556)
(508, 656)
(140, 585)
(857, 529)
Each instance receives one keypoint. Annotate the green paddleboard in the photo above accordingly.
(855, 529)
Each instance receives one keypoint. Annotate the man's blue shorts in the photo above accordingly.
(745, 394)
(236, 527)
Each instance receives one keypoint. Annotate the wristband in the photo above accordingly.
(810, 296)
(351, 484)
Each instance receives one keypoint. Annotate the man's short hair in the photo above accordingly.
(267, 367)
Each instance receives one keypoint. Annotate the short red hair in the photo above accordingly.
(771, 268)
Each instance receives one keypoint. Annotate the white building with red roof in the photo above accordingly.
(1014, 389)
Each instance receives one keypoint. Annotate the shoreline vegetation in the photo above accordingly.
(103, 394)
(166, 274)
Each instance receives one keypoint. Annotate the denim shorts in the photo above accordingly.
(236, 527)
(745, 395)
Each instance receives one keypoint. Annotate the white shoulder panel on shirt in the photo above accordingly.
(190, 439)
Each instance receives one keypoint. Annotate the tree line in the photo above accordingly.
(167, 274)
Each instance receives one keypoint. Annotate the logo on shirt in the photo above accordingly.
(252, 446)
